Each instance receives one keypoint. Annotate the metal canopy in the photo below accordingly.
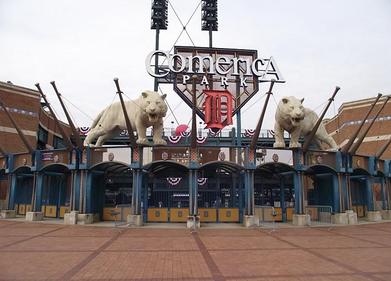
(166, 166)
(320, 169)
(275, 168)
(112, 167)
(360, 171)
(229, 167)
(56, 167)
(23, 170)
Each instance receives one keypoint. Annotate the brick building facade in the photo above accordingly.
(34, 120)
(346, 122)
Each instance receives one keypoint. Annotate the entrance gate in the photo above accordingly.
(220, 192)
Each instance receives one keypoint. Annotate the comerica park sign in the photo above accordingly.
(196, 69)
(196, 63)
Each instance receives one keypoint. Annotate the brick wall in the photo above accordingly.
(346, 122)
(25, 107)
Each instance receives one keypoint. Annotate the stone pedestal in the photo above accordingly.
(71, 218)
(301, 220)
(374, 216)
(7, 214)
(193, 222)
(250, 221)
(340, 218)
(34, 216)
(352, 217)
(135, 220)
(85, 218)
(386, 214)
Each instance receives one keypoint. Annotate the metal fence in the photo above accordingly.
(319, 214)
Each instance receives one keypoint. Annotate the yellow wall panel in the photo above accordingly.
(63, 210)
(22, 209)
(51, 211)
(207, 214)
(229, 215)
(108, 214)
(157, 215)
(179, 214)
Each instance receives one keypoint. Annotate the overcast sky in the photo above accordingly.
(83, 45)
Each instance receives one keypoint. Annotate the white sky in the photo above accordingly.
(83, 45)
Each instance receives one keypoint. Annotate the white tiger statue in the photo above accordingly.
(294, 118)
(148, 110)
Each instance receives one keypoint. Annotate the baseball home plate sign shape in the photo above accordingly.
(223, 80)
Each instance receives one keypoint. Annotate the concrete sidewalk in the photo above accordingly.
(49, 251)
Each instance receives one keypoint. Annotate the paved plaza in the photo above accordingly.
(42, 251)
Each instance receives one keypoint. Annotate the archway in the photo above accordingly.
(220, 192)
(110, 195)
(166, 192)
(274, 192)
(361, 192)
(56, 190)
(322, 192)
(22, 185)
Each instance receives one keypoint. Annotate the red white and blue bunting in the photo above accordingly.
(174, 181)
(202, 181)
(84, 130)
(213, 134)
(249, 132)
(201, 140)
(174, 139)
(124, 133)
(185, 134)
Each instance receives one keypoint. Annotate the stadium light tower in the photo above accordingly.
(158, 22)
(209, 17)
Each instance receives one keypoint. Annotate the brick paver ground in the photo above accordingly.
(36, 251)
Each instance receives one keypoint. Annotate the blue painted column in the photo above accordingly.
(249, 187)
(38, 191)
(282, 198)
(136, 191)
(299, 192)
(369, 194)
(88, 193)
(383, 194)
(336, 195)
(76, 191)
(193, 192)
(342, 181)
(11, 200)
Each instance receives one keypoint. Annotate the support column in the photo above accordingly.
(383, 194)
(36, 214)
(193, 219)
(369, 194)
(372, 214)
(136, 191)
(88, 194)
(336, 195)
(282, 198)
(299, 193)
(38, 192)
(299, 218)
(11, 202)
(344, 191)
(75, 201)
(136, 217)
(386, 213)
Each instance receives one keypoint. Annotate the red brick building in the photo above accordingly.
(346, 122)
(33, 119)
